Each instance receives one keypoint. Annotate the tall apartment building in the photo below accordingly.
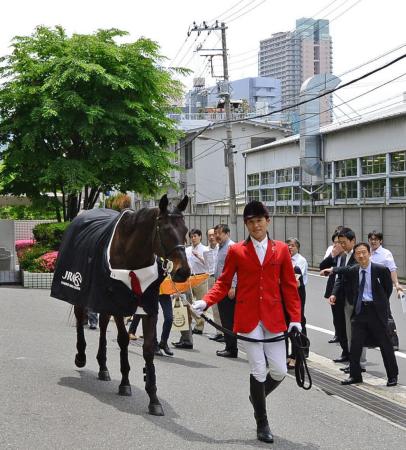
(293, 57)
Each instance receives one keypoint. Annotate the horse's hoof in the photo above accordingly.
(80, 361)
(104, 375)
(125, 391)
(155, 409)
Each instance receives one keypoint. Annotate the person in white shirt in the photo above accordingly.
(380, 255)
(194, 254)
(210, 257)
(297, 259)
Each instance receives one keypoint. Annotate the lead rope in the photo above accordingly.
(298, 339)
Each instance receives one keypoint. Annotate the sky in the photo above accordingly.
(361, 30)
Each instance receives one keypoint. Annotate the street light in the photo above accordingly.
(229, 163)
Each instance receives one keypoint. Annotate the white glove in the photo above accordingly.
(298, 325)
(199, 306)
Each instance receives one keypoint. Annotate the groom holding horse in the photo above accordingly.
(266, 288)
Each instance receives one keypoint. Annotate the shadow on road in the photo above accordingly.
(106, 392)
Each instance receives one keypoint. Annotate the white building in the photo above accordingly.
(204, 176)
(364, 162)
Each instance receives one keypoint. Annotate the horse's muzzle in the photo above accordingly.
(181, 275)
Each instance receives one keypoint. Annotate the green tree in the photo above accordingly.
(84, 114)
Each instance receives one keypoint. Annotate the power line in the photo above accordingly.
(313, 115)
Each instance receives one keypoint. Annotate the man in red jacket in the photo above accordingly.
(266, 287)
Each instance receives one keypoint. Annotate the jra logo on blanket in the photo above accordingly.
(72, 280)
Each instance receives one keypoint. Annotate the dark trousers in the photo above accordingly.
(226, 310)
(367, 323)
(166, 305)
(302, 296)
(339, 324)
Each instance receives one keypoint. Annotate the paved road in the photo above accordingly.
(318, 315)
(47, 403)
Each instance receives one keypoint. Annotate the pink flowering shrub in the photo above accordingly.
(22, 245)
(47, 261)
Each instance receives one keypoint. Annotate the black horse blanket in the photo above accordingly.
(82, 273)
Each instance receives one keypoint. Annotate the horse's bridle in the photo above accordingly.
(168, 264)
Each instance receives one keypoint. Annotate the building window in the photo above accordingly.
(328, 170)
(188, 152)
(346, 168)
(373, 164)
(267, 195)
(253, 195)
(258, 141)
(373, 188)
(398, 162)
(325, 193)
(398, 187)
(268, 177)
(296, 174)
(253, 179)
(284, 176)
(297, 193)
(283, 210)
(283, 194)
(347, 190)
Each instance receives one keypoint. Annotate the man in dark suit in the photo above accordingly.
(371, 287)
(335, 258)
(343, 292)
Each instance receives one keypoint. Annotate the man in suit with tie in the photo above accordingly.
(266, 286)
(343, 291)
(371, 285)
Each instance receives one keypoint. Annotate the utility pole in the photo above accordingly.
(228, 148)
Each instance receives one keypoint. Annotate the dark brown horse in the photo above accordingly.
(138, 239)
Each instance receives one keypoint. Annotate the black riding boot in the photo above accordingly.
(271, 384)
(257, 391)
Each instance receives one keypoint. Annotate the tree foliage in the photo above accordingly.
(84, 114)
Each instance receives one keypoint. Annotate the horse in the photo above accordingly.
(136, 241)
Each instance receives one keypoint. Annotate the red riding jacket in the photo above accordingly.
(262, 290)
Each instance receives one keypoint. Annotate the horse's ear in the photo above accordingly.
(163, 204)
(182, 205)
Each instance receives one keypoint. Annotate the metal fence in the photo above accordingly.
(314, 231)
(23, 228)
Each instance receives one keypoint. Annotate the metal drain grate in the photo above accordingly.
(384, 408)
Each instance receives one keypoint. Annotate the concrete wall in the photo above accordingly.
(314, 232)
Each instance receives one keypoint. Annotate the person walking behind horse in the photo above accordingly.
(300, 266)
(226, 306)
(166, 305)
(194, 254)
(210, 256)
(266, 285)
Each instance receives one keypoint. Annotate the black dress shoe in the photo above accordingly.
(158, 352)
(227, 354)
(341, 359)
(216, 337)
(165, 348)
(351, 380)
(194, 331)
(220, 338)
(392, 381)
(334, 340)
(347, 369)
(183, 345)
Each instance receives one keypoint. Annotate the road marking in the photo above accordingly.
(331, 333)
(322, 330)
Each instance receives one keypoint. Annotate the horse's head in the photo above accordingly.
(171, 230)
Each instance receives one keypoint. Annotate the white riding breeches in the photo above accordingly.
(275, 354)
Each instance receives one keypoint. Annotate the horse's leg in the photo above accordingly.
(80, 358)
(148, 327)
(102, 352)
(123, 340)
